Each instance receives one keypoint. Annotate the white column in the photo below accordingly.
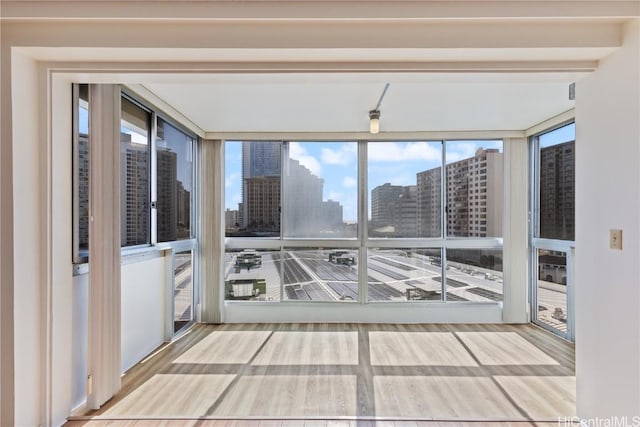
(211, 238)
(515, 225)
(607, 289)
(104, 348)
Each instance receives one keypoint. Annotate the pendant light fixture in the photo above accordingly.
(374, 115)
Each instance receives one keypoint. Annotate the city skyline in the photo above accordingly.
(260, 210)
(397, 163)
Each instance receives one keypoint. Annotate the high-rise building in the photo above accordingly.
(486, 192)
(303, 214)
(406, 215)
(394, 210)
(383, 198)
(428, 194)
(332, 213)
(457, 212)
(83, 192)
(260, 159)
(134, 192)
(167, 204)
(557, 191)
(473, 200)
(262, 203)
(306, 214)
(183, 227)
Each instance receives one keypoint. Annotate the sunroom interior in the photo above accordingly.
(479, 116)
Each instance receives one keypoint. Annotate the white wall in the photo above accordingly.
(607, 291)
(143, 305)
(143, 319)
(80, 333)
(58, 279)
(358, 313)
(28, 203)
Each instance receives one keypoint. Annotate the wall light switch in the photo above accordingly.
(615, 239)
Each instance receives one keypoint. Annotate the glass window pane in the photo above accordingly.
(403, 274)
(474, 275)
(134, 174)
(174, 151)
(320, 274)
(321, 189)
(557, 183)
(252, 275)
(252, 188)
(552, 289)
(474, 188)
(183, 289)
(82, 167)
(404, 180)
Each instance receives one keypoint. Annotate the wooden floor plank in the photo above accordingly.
(339, 375)
(504, 348)
(393, 348)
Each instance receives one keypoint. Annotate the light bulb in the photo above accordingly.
(374, 126)
(374, 121)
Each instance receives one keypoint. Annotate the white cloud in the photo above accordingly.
(230, 180)
(459, 151)
(349, 182)
(335, 196)
(342, 155)
(297, 152)
(404, 151)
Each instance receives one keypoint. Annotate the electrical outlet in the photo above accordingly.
(615, 239)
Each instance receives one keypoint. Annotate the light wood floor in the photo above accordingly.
(308, 423)
(348, 375)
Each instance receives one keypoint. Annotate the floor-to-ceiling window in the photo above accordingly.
(376, 221)
(553, 229)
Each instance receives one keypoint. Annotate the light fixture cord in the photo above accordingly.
(386, 86)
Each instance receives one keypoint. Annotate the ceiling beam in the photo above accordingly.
(163, 68)
(320, 35)
(316, 10)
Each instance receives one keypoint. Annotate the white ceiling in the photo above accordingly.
(339, 102)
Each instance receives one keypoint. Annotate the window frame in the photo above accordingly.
(159, 115)
(539, 243)
(151, 143)
(81, 257)
(363, 243)
(78, 256)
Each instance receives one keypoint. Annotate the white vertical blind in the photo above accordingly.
(104, 345)
(515, 251)
(212, 230)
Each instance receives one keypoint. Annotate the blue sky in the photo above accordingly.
(563, 134)
(336, 162)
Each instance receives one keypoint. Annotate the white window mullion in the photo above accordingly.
(153, 179)
(363, 214)
(443, 222)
